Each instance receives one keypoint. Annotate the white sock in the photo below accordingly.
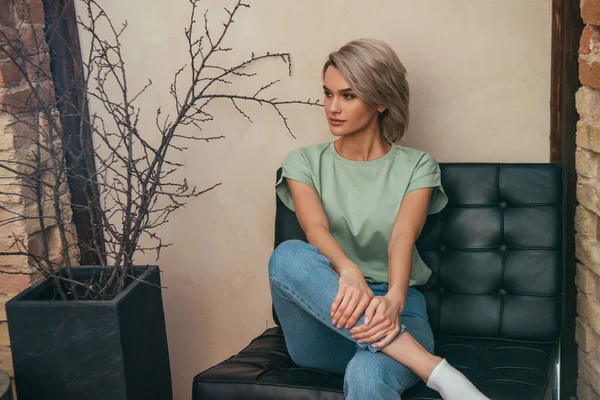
(452, 385)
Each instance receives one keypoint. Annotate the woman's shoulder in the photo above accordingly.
(311, 149)
(311, 153)
(419, 162)
(411, 155)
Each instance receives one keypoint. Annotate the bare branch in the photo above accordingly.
(133, 174)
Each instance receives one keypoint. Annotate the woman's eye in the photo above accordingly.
(347, 96)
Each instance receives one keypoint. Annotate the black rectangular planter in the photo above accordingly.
(93, 350)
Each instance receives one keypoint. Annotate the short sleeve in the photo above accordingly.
(427, 174)
(296, 167)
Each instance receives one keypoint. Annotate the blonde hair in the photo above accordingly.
(376, 75)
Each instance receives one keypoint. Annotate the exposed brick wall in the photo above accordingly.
(15, 142)
(587, 219)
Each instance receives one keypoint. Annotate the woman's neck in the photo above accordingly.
(362, 147)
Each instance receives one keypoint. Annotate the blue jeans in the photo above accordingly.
(303, 287)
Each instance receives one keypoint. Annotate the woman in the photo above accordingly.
(345, 300)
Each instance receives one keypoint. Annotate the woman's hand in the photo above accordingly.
(382, 319)
(353, 297)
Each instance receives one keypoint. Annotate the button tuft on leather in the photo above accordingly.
(442, 290)
(502, 292)
(442, 247)
(502, 247)
(503, 204)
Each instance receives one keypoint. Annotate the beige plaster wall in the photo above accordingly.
(480, 84)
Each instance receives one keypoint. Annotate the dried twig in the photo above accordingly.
(132, 176)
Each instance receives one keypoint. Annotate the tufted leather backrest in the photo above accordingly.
(495, 251)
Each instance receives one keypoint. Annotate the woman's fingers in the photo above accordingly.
(360, 308)
(388, 339)
(377, 322)
(375, 327)
(337, 301)
(378, 325)
(347, 296)
(379, 335)
(370, 311)
(369, 314)
(350, 308)
(382, 329)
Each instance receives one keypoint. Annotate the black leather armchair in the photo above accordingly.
(494, 299)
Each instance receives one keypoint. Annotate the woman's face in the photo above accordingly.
(346, 113)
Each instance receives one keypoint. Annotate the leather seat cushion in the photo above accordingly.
(501, 369)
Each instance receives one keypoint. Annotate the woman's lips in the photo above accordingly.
(336, 122)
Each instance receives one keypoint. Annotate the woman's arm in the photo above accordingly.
(382, 316)
(314, 223)
(405, 231)
(354, 294)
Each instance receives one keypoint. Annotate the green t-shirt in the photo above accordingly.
(361, 199)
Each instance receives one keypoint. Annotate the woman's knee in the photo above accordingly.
(289, 256)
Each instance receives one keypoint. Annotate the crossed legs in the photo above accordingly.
(303, 286)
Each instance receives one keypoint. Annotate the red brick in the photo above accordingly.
(590, 40)
(8, 36)
(22, 41)
(40, 72)
(48, 93)
(4, 335)
(34, 39)
(10, 75)
(23, 99)
(28, 43)
(7, 13)
(30, 11)
(6, 363)
(589, 72)
(14, 283)
(4, 298)
(590, 12)
(16, 101)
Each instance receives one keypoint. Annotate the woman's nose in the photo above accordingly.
(334, 106)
